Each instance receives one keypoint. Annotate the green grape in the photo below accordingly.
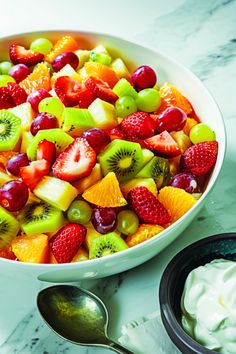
(5, 67)
(201, 132)
(102, 58)
(127, 222)
(51, 105)
(125, 106)
(4, 79)
(148, 100)
(79, 212)
(42, 45)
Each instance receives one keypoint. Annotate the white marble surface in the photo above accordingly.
(200, 34)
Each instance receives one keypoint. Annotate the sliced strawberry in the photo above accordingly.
(7, 253)
(101, 89)
(138, 125)
(6, 100)
(46, 150)
(117, 133)
(17, 93)
(33, 173)
(20, 55)
(75, 162)
(163, 144)
(65, 244)
(67, 89)
(86, 97)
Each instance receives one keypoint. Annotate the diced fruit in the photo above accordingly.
(105, 193)
(185, 181)
(67, 70)
(40, 217)
(39, 78)
(17, 93)
(32, 249)
(157, 168)
(100, 57)
(101, 89)
(172, 119)
(20, 55)
(147, 156)
(4, 177)
(182, 140)
(42, 45)
(104, 219)
(43, 121)
(34, 172)
(138, 125)
(25, 113)
(124, 158)
(127, 222)
(121, 69)
(148, 208)
(56, 192)
(97, 138)
(149, 183)
(16, 162)
(83, 56)
(190, 122)
(67, 241)
(76, 121)
(36, 97)
(103, 113)
(84, 183)
(86, 97)
(99, 71)
(63, 59)
(148, 100)
(117, 133)
(10, 127)
(81, 255)
(124, 88)
(6, 100)
(52, 105)
(67, 89)
(7, 254)
(144, 77)
(199, 158)
(143, 233)
(14, 195)
(64, 44)
(91, 235)
(201, 132)
(46, 150)
(19, 72)
(27, 138)
(176, 201)
(174, 163)
(125, 105)
(107, 245)
(79, 212)
(9, 228)
(163, 144)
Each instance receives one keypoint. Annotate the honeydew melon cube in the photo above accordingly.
(26, 114)
(120, 69)
(67, 70)
(76, 121)
(83, 56)
(103, 113)
(100, 49)
(56, 192)
(124, 88)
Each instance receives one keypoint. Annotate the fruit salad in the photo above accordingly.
(95, 157)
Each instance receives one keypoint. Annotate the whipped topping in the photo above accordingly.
(208, 305)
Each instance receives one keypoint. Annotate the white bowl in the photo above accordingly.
(204, 105)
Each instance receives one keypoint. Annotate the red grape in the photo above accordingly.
(97, 138)
(14, 195)
(185, 181)
(144, 77)
(65, 58)
(16, 162)
(36, 96)
(43, 121)
(172, 119)
(104, 219)
(19, 72)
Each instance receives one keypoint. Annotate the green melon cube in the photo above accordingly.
(103, 113)
(76, 121)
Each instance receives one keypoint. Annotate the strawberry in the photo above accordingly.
(46, 150)
(65, 244)
(20, 55)
(67, 89)
(75, 162)
(17, 93)
(101, 89)
(6, 100)
(117, 133)
(86, 97)
(138, 125)
(34, 172)
(163, 144)
(147, 206)
(7, 253)
(199, 158)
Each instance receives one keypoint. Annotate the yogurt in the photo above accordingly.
(208, 305)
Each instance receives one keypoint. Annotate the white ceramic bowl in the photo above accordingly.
(204, 105)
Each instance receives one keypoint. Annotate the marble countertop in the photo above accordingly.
(200, 34)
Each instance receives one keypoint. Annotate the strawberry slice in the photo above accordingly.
(86, 97)
(117, 133)
(20, 55)
(68, 89)
(34, 172)
(101, 89)
(7, 253)
(163, 144)
(46, 150)
(75, 162)
(6, 100)
(17, 93)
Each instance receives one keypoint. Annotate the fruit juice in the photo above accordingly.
(94, 158)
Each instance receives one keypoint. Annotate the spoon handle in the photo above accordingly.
(118, 348)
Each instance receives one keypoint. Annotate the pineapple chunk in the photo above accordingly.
(25, 112)
(27, 137)
(149, 183)
(120, 69)
(56, 192)
(67, 70)
(4, 177)
(81, 255)
(103, 113)
(86, 182)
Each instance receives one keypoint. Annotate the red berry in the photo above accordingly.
(14, 195)
(7, 253)
(163, 144)
(117, 133)
(147, 206)
(17, 93)
(43, 121)
(68, 89)
(65, 58)
(185, 181)
(85, 96)
(19, 72)
(6, 100)
(33, 173)
(65, 244)
(16, 162)
(101, 89)
(144, 77)
(46, 150)
(20, 55)
(138, 125)
(36, 96)
(172, 119)
(104, 219)
(97, 138)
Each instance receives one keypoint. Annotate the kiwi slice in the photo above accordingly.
(41, 217)
(10, 128)
(76, 121)
(122, 157)
(56, 136)
(9, 228)
(157, 168)
(106, 245)
(124, 88)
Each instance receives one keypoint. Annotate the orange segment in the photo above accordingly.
(39, 78)
(143, 233)
(32, 249)
(5, 156)
(176, 201)
(170, 96)
(105, 193)
(64, 44)
(100, 71)
(190, 122)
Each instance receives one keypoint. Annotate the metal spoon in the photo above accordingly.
(77, 315)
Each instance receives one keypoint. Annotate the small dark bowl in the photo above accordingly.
(173, 280)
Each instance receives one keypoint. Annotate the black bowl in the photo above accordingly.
(173, 280)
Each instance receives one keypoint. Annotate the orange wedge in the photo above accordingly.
(100, 71)
(105, 193)
(39, 78)
(176, 201)
(64, 44)
(190, 122)
(143, 233)
(33, 249)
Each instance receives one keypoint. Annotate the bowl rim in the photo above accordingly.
(175, 331)
(213, 177)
